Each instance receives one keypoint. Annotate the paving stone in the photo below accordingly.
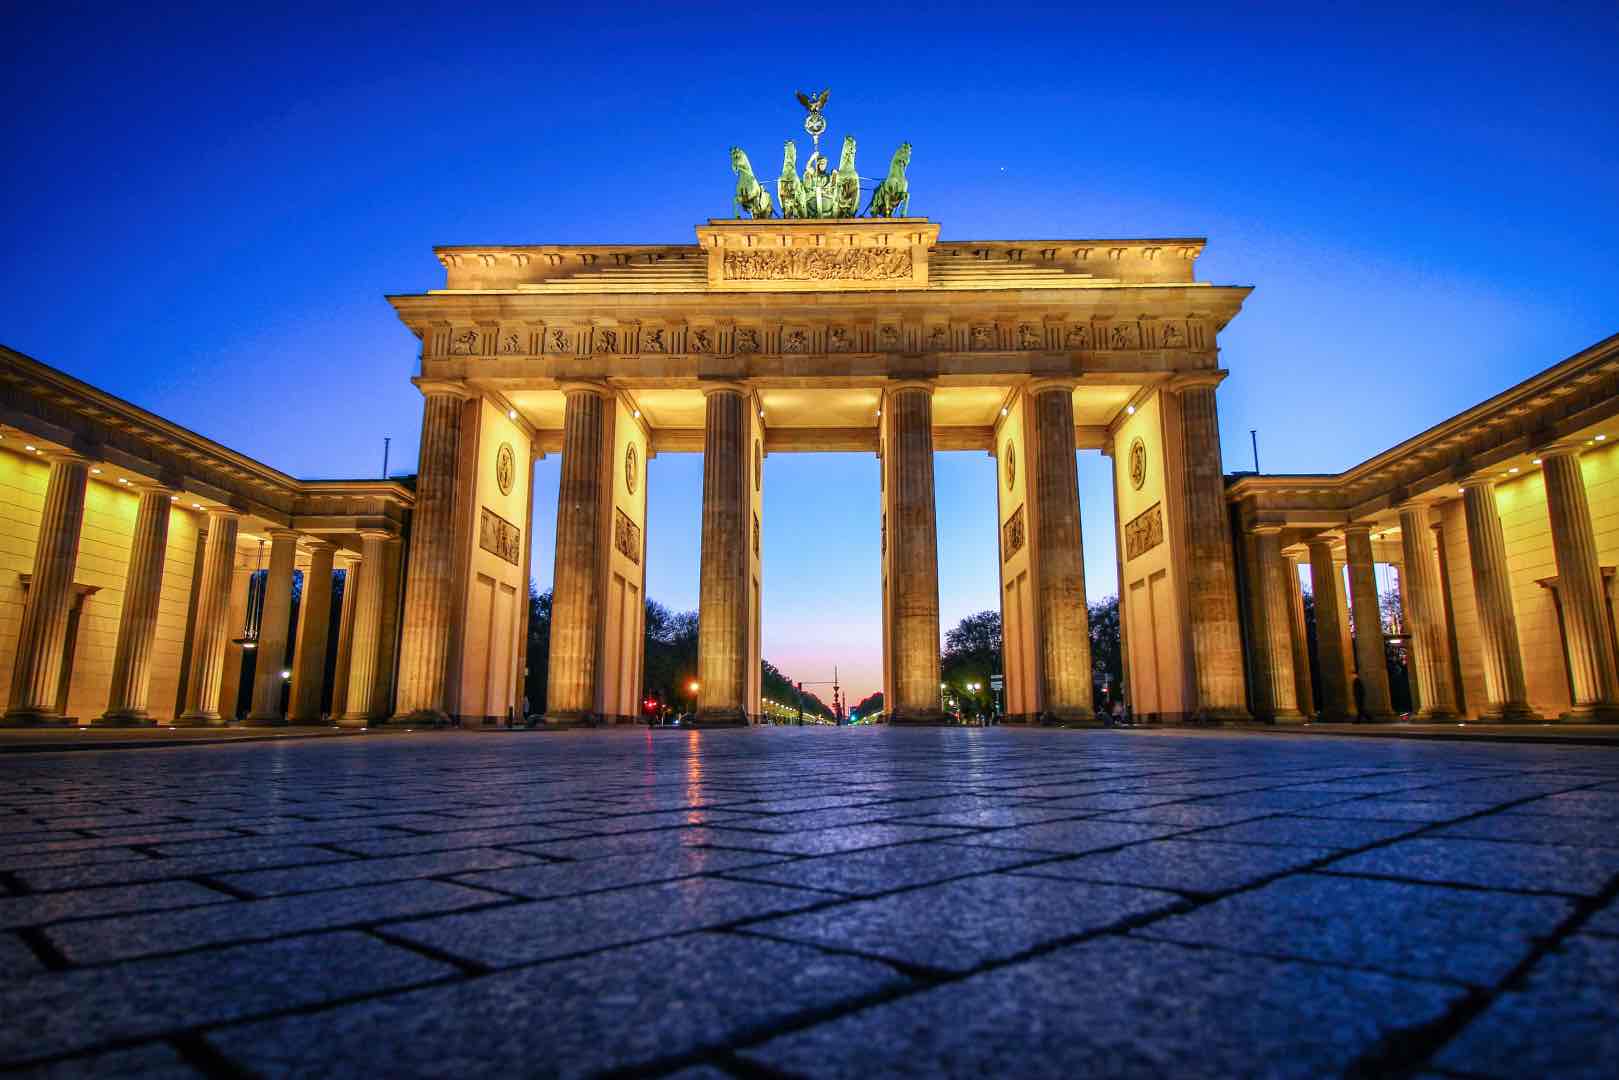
(16, 958)
(1490, 863)
(1069, 837)
(100, 940)
(830, 841)
(82, 1010)
(545, 880)
(146, 869)
(1185, 865)
(1189, 815)
(1424, 931)
(1595, 804)
(864, 873)
(42, 908)
(1564, 1022)
(614, 1010)
(994, 818)
(603, 847)
(1119, 1007)
(545, 929)
(1538, 829)
(370, 871)
(153, 1061)
(960, 925)
(1400, 810)
(451, 841)
(1308, 832)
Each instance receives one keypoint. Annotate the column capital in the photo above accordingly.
(724, 386)
(444, 387)
(347, 560)
(1359, 527)
(894, 386)
(280, 533)
(1560, 448)
(1477, 481)
(1050, 382)
(216, 510)
(67, 457)
(1192, 380)
(315, 544)
(1265, 528)
(381, 536)
(571, 387)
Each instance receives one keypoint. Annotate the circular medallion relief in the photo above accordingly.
(505, 468)
(632, 468)
(1138, 464)
(1011, 465)
(758, 466)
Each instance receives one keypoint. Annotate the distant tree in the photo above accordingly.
(780, 688)
(972, 653)
(1107, 652)
(870, 705)
(1391, 609)
(539, 649)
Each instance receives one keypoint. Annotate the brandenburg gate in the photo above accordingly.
(780, 335)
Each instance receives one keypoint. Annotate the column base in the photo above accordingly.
(199, 719)
(1512, 714)
(1227, 714)
(1286, 717)
(353, 721)
(419, 718)
(27, 718)
(1435, 716)
(922, 718)
(1086, 719)
(272, 720)
(568, 720)
(127, 718)
(1592, 714)
(720, 718)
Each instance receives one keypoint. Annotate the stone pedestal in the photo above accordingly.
(42, 638)
(1337, 702)
(1504, 684)
(724, 603)
(1278, 699)
(1371, 657)
(1065, 645)
(1210, 570)
(1586, 642)
(314, 627)
(270, 659)
(576, 600)
(137, 621)
(1425, 616)
(430, 587)
(913, 630)
(361, 706)
(210, 626)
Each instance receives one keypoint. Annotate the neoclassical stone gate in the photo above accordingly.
(778, 336)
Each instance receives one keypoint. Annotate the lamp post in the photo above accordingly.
(692, 687)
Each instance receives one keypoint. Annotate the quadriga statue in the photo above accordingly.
(751, 198)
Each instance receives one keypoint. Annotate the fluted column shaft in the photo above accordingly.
(424, 652)
(576, 593)
(314, 628)
(210, 626)
(137, 620)
(914, 554)
(1280, 696)
(360, 705)
(1337, 704)
(1065, 644)
(1302, 690)
(345, 635)
(274, 618)
(723, 602)
(1210, 569)
(42, 637)
(1425, 617)
(1589, 648)
(1371, 657)
(1504, 683)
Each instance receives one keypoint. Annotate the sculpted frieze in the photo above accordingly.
(1144, 532)
(652, 341)
(818, 264)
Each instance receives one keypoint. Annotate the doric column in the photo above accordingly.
(1504, 683)
(1065, 645)
(1276, 671)
(723, 602)
(314, 627)
(137, 620)
(914, 554)
(576, 590)
(1297, 637)
(269, 661)
(360, 706)
(1425, 616)
(1326, 591)
(1210, 570)
(350, 565)
(210, 626)
(1371, 658)
(424, 651)
(1591, 663)
(42, 637)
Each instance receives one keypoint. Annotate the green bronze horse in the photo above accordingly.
(789, 189)
(751, 197)
(846, 192)
(893, 192)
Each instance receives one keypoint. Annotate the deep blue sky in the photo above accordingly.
(203, 211)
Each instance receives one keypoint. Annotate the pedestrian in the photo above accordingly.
(1118, 712)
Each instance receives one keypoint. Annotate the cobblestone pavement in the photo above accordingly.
(810, 901)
